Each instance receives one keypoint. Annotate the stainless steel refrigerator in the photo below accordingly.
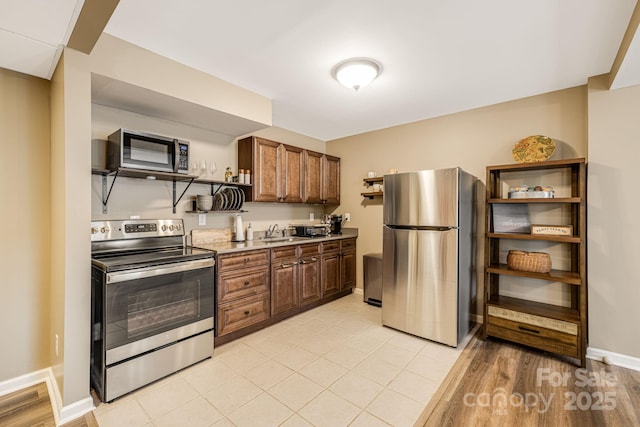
(428, 274)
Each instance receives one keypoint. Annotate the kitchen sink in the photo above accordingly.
(267, 240)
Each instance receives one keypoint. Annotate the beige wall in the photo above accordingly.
(153, 199)
(71, 215)
(123, 61)
(471, 140)
(613, 228)
(25, 213)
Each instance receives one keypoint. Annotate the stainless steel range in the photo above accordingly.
(152, 303)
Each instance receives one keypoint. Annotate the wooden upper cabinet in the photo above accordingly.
(331, 180)
(322, 178)
(313, 177)
(284, 173)
(262, 158)
(291, 174)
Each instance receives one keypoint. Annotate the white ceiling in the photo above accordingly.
(438, 57)
(33, 33)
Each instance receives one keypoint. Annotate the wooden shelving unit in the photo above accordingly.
(369, 182)
(556, 328)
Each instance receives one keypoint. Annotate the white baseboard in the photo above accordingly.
(24, 381)
(612, 358)
(61, 414)
(75, 410)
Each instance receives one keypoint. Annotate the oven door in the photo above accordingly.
(147, 308)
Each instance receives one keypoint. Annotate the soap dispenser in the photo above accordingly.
(249, 232)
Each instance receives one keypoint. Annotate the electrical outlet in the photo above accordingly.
(57, 353)
(202, 219)
(347, 217)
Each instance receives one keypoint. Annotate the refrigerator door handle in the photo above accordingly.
(423, 227)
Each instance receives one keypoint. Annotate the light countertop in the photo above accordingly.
(229, 247)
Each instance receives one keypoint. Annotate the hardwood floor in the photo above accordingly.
(32, 407)
(495, 383)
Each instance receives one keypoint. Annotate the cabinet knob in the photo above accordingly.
(247, 312)
(246, 260)
(246, 283)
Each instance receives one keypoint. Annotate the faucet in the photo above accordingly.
(272, 229)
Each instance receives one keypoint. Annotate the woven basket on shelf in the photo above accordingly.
(537, 262)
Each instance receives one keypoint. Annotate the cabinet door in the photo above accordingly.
(330, 273)
(266, 181)
(331, 180)
(309, 280)
(313, 177)
(292, 178)
(348, 269)
(284, 287)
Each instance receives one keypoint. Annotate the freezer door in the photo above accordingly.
(422, 198)
(419, 283)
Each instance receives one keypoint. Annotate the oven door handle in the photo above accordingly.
(142, 273)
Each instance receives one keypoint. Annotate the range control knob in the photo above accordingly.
(94, 230)
(103, 230)
(178, 226)
(171, 227)
(164, 227)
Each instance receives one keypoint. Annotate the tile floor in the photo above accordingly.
(333, 366)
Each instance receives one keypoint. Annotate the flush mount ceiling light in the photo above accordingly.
(356, 73)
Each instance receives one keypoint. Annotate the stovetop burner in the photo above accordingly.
(128, 261)
(128, 244)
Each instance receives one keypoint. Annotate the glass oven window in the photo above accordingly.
(154, 308)
(145, 307)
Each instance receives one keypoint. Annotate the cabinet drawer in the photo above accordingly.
(332, 246)
(348, 244)
(532, 319)
(534, 336)
(246, 259)
(278, 254)
(242, 313)
(242, 283)
(310, 249)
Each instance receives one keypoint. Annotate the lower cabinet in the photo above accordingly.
(242, 290)
(338, 266)
(310, 289)
(348, 264)
(330, 267)
(284, 286)
(256, 288)
(239, 314)
(295, 277)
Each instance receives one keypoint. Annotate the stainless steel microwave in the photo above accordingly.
(137, 150)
